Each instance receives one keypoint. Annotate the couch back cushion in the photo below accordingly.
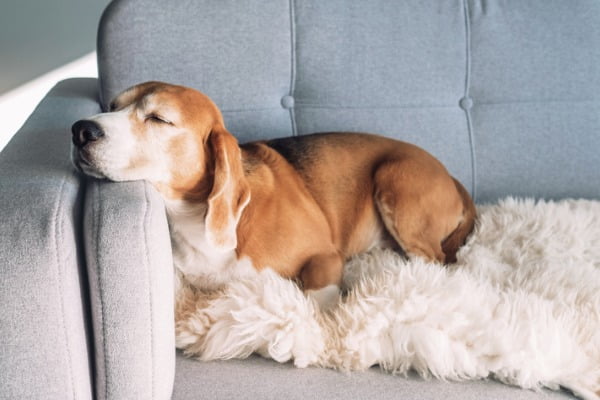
(506, 93)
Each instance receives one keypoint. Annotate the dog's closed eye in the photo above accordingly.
(157, 119)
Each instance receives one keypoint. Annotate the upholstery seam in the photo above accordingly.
(293, 65)
(97, 212)
(390, 107)
(467, 89)
(251, 109)
(521, 102)
(85, 282)
(57, 232)
(412, 106)
(148, 268)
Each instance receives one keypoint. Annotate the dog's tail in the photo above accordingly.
(458, 237)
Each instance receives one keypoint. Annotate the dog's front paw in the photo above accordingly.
(326, 297)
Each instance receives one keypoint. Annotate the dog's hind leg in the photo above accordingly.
(321, 278)
(419, 205)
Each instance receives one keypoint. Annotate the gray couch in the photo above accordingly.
(505, 92)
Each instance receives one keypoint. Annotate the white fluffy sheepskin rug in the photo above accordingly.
(522, 305)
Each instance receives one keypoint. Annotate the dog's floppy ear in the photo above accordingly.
(230, 193)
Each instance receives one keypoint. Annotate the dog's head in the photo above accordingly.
(175, 138)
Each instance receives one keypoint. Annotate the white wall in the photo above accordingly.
(19, 103)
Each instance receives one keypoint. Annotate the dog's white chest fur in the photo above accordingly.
(201, 264)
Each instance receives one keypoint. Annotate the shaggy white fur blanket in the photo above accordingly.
(522, 305)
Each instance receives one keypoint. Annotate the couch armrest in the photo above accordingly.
(128, 253)
(44, 350)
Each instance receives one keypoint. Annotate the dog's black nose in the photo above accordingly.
(85, 131)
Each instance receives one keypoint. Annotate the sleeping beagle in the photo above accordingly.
(300, 205)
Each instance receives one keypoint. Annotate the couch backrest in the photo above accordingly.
(505, 92)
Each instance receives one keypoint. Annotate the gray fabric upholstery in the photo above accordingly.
(535, 84)
(394, 68)
(128, 253)
(54, 220)
(44, 350)
(257, 378)
(249, 39)
(277, 68)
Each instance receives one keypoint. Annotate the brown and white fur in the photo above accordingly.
(300, 205)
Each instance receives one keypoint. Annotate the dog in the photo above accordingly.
(300, 205)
